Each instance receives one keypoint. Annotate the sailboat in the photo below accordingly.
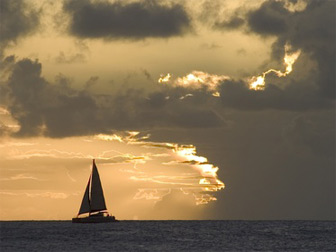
(93, 202)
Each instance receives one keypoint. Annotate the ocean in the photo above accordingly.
(168, 236)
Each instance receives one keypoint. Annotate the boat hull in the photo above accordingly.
(95, 219)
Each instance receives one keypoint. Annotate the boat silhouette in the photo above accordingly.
(93, 202)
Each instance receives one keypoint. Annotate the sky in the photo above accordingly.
(210, 109)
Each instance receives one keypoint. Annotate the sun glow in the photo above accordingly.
(180, 156)
(258, 82)
(144, 173)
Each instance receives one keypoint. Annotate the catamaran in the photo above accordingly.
(93, 202)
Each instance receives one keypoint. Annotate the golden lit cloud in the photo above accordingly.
(164, 78)
(123, 137)
(199, 79)
(179, 156)
(4, 111)
(52, 195)
(19, 177)
(113, 137)
(297, 6)
(151, 194)
(9, 144)
(196, 80)
(258, 82)
(17, 154)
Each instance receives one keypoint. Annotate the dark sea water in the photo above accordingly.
(168, 236)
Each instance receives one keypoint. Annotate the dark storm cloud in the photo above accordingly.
(316, 133)
(311, 30)
(17, 20)
(278, 153)
(35, 104)
(57, 110)
(132, 20)
(269, 19)
(236, 94)
(279, 164)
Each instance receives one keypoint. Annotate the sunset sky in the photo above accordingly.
(193, 109)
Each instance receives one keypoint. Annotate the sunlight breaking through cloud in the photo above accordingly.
(165, 166)
(196, 80)
(189, 172)
(295, 6)
(201, 80)
(164, 78)
(258, 82)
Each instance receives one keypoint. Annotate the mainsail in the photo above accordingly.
(93, 200)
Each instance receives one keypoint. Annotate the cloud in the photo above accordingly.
(233, 23)
(53, 109)
(52, 195)
(269, 19)
(4, 129)
(130, 20)
(19, 177)
(137, 171)
(57, 110)
(17, 20)
(282, 92)
(19, 144)
(311, 30)
(73, 58)
(281, 162)
(313, 133)
(308, 26)
(236, 94)
(91, 82)
(212, 46)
